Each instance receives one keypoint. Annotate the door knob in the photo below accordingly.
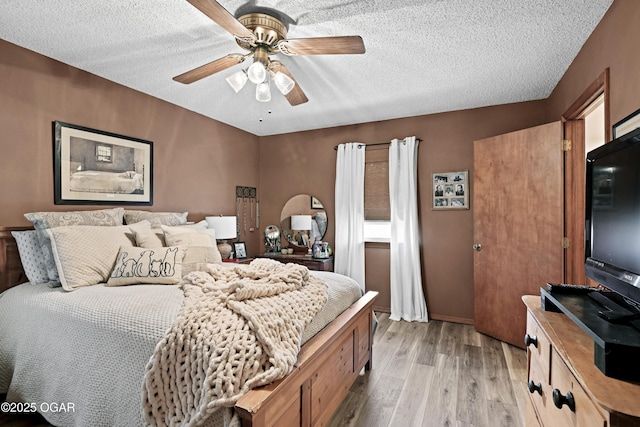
(477, 247)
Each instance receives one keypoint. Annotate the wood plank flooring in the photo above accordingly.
(437, 374)
(425, 374)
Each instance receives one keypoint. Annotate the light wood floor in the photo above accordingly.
(437, 374)
(425, 374)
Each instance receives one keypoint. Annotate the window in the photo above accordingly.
(377, 209)
(103, 153)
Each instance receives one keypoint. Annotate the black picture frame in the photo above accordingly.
(94, 167)
(316, 204)
(626, 125)
(240, 250)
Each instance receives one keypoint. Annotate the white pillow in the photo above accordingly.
(31, 256)
(147, 266)
(151, 238)
(199, 225)
(154, 237)
(85, 254)
(201, 246)
(175, 236)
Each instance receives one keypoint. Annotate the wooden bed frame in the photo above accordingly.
(327, 365)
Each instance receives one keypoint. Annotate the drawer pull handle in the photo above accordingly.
(533, 387)
(559, 400)
(528, 340)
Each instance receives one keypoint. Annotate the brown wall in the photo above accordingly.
(304, 162)
(613, 44)
(191, 152)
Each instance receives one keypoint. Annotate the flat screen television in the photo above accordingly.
(612, 228)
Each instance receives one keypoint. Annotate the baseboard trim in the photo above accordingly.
(452, 319)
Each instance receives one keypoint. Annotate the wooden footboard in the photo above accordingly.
(327, 366)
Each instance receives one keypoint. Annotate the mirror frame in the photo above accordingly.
(305, 204)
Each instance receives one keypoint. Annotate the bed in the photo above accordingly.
(106, 182)
(110, 388)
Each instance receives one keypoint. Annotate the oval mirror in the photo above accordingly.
(302, 220)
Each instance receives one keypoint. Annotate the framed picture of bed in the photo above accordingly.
(94, 167)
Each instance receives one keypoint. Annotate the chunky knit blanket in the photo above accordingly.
(238, 328)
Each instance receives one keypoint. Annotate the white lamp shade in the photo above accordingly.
(225, 226)
(263, 93)
(256, 72)
(237, 80)
(301, 222)
(283, 82)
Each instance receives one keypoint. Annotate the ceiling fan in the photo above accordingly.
(263, 35)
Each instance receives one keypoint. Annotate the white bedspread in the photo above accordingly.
(90, 347)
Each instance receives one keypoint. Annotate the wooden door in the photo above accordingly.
(518, 221)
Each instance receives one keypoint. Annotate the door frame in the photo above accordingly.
(574, 176)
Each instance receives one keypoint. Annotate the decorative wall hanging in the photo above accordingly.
(93, 167)
(626, 125)
(247, 210)
(451, 190)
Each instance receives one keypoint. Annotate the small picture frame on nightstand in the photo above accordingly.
(240, 250)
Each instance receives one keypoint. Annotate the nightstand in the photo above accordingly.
(238, 260)
(318, 264)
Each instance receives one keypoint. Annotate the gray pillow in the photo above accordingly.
(156, 218)
(31, 256)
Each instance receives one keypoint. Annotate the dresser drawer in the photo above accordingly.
(540, 393)
(539, 350)
(584, 413)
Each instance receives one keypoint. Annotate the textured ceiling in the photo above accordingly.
(422, 56)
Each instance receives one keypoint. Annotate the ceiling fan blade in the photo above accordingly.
(222, 17)
(296, 96)
(322, 46)
(211, 68)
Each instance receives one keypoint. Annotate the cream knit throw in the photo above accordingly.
(239, 327)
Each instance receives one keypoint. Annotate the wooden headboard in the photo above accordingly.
(11, 272)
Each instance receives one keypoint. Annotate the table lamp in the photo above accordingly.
(225, 227)
(301, 223)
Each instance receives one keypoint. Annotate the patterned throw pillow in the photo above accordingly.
(136, 265)
(85, 254)
(156, 218)
(31, 256)
(45, 220)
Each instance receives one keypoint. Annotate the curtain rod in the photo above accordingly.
(335, 147)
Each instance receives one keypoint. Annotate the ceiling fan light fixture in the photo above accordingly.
(257, 73)
(283, 82)
(263, 92)
(237, 80)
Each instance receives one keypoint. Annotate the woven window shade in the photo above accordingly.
(376, 186)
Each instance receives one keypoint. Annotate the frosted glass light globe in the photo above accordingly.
(263, 92)
(257, 73)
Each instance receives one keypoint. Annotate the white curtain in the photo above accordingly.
(349, 240)
(407, 297)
